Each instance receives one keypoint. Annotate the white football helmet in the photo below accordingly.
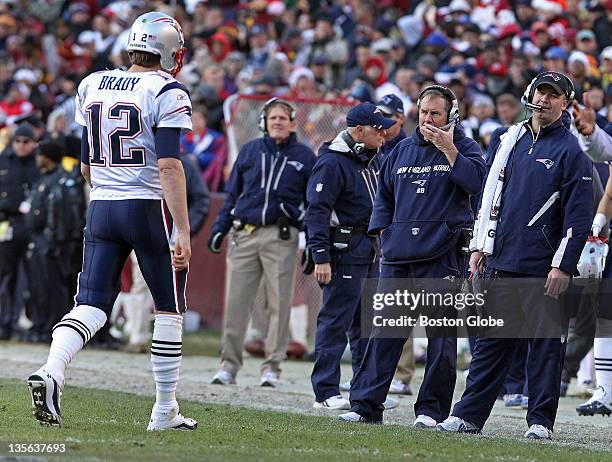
(592, 259)
(159, 34)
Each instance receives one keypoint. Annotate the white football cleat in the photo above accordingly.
(337, 403)
(600, 402)
(223, 377)
(539, 432)
(170, 418)
(424, 421)
(46, 394)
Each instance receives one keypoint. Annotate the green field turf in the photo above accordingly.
(101, 425)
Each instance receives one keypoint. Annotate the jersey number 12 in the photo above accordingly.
(128, 127)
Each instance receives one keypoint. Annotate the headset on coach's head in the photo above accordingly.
(531, 88)
(453, 114)
(263, 117)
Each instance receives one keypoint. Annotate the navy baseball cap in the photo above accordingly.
(391, 104)
(557, 81)
(368, 114)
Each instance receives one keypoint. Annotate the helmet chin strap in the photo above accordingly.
(179, 62)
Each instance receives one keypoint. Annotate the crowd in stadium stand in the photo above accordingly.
(486, 51)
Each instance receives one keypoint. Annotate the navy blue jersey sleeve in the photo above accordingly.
(84, 147)
(167, 142)
(324, 186)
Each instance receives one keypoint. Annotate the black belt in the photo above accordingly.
(359, 230)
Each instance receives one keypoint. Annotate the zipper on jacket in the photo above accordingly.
(280, 172)
(267, 198)
(263, 170)
(534, 138)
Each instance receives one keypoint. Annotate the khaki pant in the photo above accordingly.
(252, 258)
(406, 364)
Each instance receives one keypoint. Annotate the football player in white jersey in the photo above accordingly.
(131, 121)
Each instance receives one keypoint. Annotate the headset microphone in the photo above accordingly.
(533, 107)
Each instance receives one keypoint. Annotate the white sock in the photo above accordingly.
(69, 335)
(587, 368)
(603, 354)
(166, 357)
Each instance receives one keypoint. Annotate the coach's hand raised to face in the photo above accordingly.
(441, 139)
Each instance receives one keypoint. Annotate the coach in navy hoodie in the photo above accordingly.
(422, 203)
(542, 225)
(341, 194)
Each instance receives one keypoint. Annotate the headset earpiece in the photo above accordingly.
(356, 147)
(527, 98)
(263, 116)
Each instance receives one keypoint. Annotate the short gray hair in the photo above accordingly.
(435, 92)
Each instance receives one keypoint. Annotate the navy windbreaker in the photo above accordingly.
(547, 203)
(267, 181)
(341, 191)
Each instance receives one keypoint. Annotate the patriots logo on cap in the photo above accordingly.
(555, 77)
(546, 162)
(377, 111)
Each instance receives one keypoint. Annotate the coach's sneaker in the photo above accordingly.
(354, 417)
(270, 379)
(337, 403)
(539, 432)
(515, 400)
(390, 403)
(46, 395)
(424, 421)
(400, 388)
(346, 386)
(600, 403)
(455, 424)
(169, 418)
(525, 402)
(223, 377)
